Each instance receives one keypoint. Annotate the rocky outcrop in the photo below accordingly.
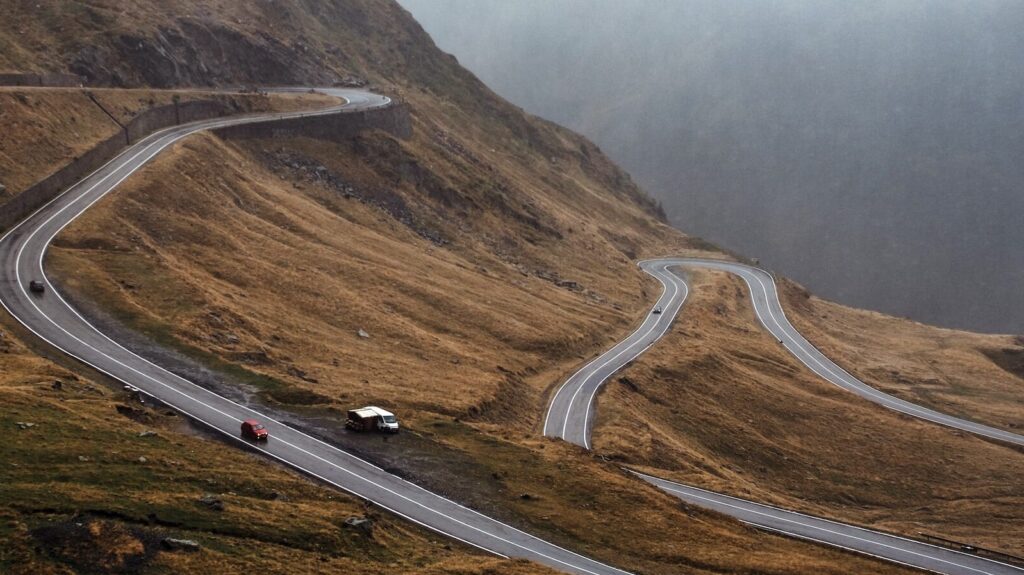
(172, 544)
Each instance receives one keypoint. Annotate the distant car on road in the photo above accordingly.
(656, 310)
(252, 429)
(36, 286)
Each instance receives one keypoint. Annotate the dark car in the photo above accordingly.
(36, 286)
(656, 310)
(252, 429)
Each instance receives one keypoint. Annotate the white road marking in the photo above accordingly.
(814, 360)
(750, 507)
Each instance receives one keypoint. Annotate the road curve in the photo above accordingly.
(769, 311)
(52, 319)
(858, 539)
(571, 412)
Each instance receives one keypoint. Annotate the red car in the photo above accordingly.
(252, 429)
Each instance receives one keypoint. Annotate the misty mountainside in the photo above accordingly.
(871, 150)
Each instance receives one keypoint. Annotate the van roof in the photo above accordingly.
(370, 411)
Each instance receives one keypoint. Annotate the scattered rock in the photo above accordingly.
(172, 544)
(278, 496)
(363, 334)
(148, 433)
(83, 458)
(3, 188)
(258, 357)
(57, 385)
(142, 459)
(360, 523)
(296, 372)
(24, 424)
(212, 501)
(525, 496)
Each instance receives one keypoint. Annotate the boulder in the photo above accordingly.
(211, 501)
(360, 523)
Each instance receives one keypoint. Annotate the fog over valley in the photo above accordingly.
(870, 150)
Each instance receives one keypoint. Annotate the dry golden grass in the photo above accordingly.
(74, 496)
(245, 261)
(718, 403)
(234, 260)
(261, 270)
(974, 376)
(46, 128)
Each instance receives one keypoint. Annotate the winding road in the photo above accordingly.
(52, 319)
(571, 413)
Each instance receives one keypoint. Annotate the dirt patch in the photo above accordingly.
(92, 545)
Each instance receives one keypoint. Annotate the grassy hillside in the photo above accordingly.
(92, 482)
(266, 272)
(45, 129)
(720, 404)
(484, 259)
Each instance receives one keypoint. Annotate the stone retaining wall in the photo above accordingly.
(147, 122)
(393, 119)
(336, 127)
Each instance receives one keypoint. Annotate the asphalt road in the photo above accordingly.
(49, 316)
(769, 311)
(881, 545)
(571, 414)
(22, 252)
(571, 411)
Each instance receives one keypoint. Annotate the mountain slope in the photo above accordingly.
(807, 445)
(483, 258)
(93, 481)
